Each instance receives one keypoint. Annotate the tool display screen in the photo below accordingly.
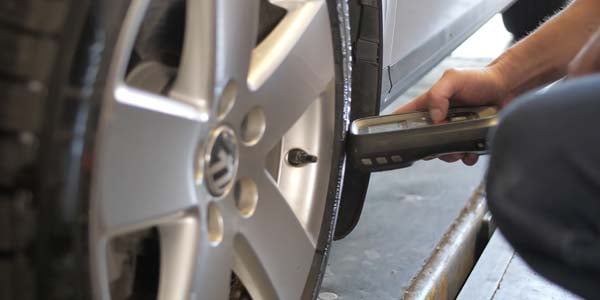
(399, 125)
(415, 122)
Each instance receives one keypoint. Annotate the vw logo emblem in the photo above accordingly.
(221, 162)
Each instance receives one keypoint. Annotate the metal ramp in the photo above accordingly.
(500, 274)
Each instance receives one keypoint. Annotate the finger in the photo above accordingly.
(470, 159)
(419, 103)
(438, 110)
(439, 98)
(451, 157)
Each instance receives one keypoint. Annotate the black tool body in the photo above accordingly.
(396, 141)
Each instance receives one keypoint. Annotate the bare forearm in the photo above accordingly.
(544, 55)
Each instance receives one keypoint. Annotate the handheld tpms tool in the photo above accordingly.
(396, 141)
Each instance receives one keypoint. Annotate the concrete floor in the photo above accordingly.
(405, 215)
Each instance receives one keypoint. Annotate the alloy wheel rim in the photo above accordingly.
(154, 152)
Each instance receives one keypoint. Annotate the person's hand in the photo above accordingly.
(587, 61)
(460, 87)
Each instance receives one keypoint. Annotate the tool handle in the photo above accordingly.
(400, 148)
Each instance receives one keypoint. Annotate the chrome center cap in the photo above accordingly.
(221, 161)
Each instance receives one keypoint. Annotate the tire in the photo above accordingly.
(367, 84)
(56, 61)
(524, 16)
(43, 93)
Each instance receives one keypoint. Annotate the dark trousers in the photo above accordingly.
(543, 182)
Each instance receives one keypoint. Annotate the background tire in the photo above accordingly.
(48, 69)
(54, 57)
(524, 16)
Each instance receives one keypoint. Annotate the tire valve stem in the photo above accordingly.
(298, 157)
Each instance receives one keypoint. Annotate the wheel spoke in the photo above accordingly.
(219, 38)
(278, 241)
(214, 271)
(178, 246)
(191, 263)
(145, 160)
(284, 38)
(215, 262)
(291, 69)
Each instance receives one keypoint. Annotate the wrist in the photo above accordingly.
(501, 74)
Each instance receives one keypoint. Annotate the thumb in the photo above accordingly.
(440, 94)
(438, 107)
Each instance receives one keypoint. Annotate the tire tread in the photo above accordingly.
(30, 32)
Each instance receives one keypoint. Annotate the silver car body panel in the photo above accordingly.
(419, 34)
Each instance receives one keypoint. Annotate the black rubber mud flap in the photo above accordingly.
(524, 16)
(367, 37)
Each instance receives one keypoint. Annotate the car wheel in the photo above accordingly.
(171, 149)
(524, 16)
